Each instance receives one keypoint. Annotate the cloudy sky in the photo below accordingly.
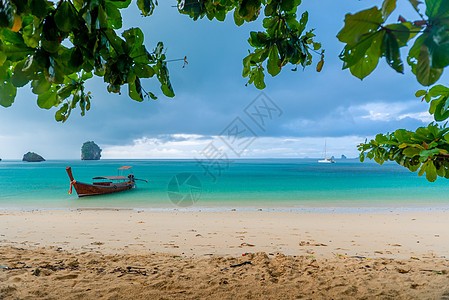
(330, 106)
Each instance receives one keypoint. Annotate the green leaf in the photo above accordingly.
(441, 113)
(422, 170)
(65, 17)
(362, 157)
(168, 90)
(65, 91)
(419, 59)
(425, 154)
(121, 3)
(134, 88)
(270, 8)
(30, 36)
(143, 70)
(17, 52)
(133, 37)
(290, 5)
(249, 9)
(369, 62)
(441, 171)
(387, 8)
(40, 85)
(2, 58)
(437, 9)
(7, 94)
(50, 35)
(360, 24)
(146, 7)
(48, 99)
(39, 7)
(193, 8)
(164, 78)
(381, 139)
(6, 14)
(352, 54)
(438, 90)
(274, 62)
(392, 54)
(431, 172)
(238, 20)
(114, 18)
(437, 42)
(258, 39)
(115, 41)
(259, 79)
(140, 55)
(410, 152)
(420, 93)
(11, 37)
(425, 74)
(21, 77)
(60, 115)
(401, 33)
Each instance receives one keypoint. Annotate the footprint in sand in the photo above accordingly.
(246, 245)
(303, 244)
(70, 276)
(170, 246)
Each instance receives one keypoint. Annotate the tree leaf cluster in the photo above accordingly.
(57, 45)
(367, 38)
(284, 39)
(424, 150)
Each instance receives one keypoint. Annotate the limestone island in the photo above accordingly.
(32, 157)
(90, 151)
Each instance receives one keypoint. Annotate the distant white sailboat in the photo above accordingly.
(327, 160)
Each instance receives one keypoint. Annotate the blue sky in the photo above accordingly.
(211, 93)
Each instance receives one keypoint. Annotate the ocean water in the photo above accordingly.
(278, 184)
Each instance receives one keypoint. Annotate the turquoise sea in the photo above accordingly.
(277, 184)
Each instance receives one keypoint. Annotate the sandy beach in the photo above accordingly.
(128, 254)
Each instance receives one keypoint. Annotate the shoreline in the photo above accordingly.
(325, 209)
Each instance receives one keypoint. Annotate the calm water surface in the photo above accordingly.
(268, 183)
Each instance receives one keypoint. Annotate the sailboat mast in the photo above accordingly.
(325, 154)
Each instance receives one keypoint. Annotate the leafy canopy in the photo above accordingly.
(59, 45)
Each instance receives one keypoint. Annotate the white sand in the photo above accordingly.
(393, 235)
(172, 255)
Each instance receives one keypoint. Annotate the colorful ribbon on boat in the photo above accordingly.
(71, 184)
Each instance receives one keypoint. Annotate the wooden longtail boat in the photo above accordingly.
(113, 184)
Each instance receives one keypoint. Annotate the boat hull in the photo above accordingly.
(98, 188)
(86, 189)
